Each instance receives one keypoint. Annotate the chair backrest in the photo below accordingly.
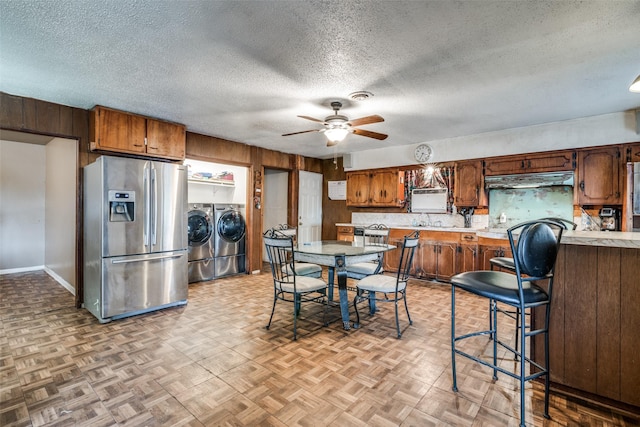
(536, 247)
(406, 257)
(564, 222)
(280, 252)
(377, 235)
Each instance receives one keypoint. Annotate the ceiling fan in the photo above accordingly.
(338, 126)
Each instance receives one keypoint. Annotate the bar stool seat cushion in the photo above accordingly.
(499, 286)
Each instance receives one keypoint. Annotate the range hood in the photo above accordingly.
(529, 180)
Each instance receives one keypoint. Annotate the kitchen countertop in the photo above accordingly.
(586, 238)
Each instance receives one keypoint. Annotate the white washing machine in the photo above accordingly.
(229, 239)
(201, 232)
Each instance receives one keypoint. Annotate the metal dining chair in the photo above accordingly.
(384, 288)
(301, 268)
(288, 286)
(374, 235)
(534, 252)
(507, 264)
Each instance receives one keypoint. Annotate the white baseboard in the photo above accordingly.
(60, 280)
(22, 269)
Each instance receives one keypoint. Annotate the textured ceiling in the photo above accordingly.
(243, 70)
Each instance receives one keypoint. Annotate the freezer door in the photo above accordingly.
(122, 175)
(140, 283)
(168, 208)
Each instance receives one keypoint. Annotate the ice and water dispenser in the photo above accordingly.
(122, 206)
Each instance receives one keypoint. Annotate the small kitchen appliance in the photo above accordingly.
(609, 219)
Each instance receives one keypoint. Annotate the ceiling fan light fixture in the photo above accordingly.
(336, 134)
(635, 86)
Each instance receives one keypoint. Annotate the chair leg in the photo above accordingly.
(522, 371)
(546, 362)
(494, 314)
(453, 337)
(492, 308)
(406, 307)
(395, 303)
(273, 309)
(355, 306)
(515, 356)
(296, 299)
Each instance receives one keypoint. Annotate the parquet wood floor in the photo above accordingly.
(213, 363)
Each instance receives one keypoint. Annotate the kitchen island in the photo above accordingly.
(594, 332)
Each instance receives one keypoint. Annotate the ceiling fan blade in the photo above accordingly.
(304, 131)
(369, 134)
(312, 119)
(366, 120)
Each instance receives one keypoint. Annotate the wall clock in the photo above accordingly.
(423, 153)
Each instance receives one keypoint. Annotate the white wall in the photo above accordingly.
(22, 205)
(60, 210)
(207, 193)
(615, 128)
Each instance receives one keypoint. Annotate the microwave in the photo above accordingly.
(429, 200)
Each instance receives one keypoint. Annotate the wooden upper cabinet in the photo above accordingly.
(121, 132)
(469, 184)
(633, 152)
(542, 162)
(599, 178)
(375, 188)
(166, 139)
(358, 188)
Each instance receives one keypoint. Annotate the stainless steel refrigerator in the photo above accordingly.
(135, 236)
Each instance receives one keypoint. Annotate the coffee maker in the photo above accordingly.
(609, 219)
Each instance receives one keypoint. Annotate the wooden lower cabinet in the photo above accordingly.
(392, 258)
(436, 260)
(345, 233)
(490, 248)
(594, 322)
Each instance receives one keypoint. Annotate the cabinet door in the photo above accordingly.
(504, 166)
(358, 188)
(563, 161)
(599, 176)
(468, 183)
(384, 187)
(633, 153)
(446, 264)
(117, 131)
(166, 139)
(428, 259)
(467, 257)
(392, 258)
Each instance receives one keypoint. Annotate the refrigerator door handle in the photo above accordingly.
(154, 206)
(147, 258)
(147, 197)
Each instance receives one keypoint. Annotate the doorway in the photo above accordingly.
(38, 204)
(275, 199)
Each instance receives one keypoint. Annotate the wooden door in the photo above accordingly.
(392, 258)
(504, 166)
(467, 257)
(468, 183)
(358, 188)
(599, 176)
(383, 188)
(117, 131)
(166, 139)
(428, 258)
(446, 263)
(563, 161)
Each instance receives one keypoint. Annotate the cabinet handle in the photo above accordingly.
(581, 185)
(522, 164)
